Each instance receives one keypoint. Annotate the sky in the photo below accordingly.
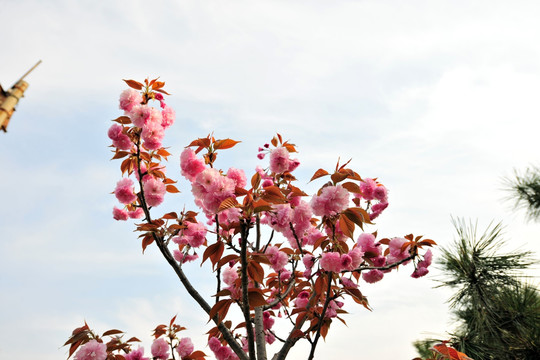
(437, 99)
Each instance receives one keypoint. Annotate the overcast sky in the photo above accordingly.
(438, 99)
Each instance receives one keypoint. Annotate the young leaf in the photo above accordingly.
(225, 144)
(134, 84)
(319, 173)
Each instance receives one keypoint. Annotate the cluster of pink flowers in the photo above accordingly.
(331, 201)
(92, 350)
(336, 262)
(371, 191)
(280, 161)
(278, 259)
(422, 266)
(160, 349)
(136, 355)
(221, 352)
(152, 121)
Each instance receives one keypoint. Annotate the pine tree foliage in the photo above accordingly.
(497, 313)
(524, 189)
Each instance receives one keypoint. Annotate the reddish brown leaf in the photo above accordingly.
(346, 226)
(297, 333)
(134, 84)
(255, 271)
(123, 120)
(352, 187)
(319, 173)
(227, 204)
(147, 240)
(256, 299)
(172, 189)
(112, 332)
(338, 177)
(225, 144)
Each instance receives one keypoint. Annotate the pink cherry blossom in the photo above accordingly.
(154, 191)
(167, 115)
(160, 349)
(185, 347)
(268, 320)
(124, 191)
(279, 160)
(302, 299)
(367, 186)
(331, 201)
(238, 176)
(372, 276)
(229, 274)
(120, 214)
(380, 193)
(278, 259)
(331, 261)
(136, 355)
(367, 243)
(129, 98)
(191, 165)
(152, 135)
(92, 350)
(396, 251)
(140, 114)
(136, 214)
(195, 234)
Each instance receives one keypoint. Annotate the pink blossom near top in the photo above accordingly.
(124, 191)
(331, 261)
(129, 98)
(195, 234)
(92, 350)
(167, 116)
(136, 355)
(120, 214)
(279, 160)
(160, 349)
(367, 186)
(154, 191)
(238, 176)
(152, 135)
(185, 347)
(140, 114)
(366, 241)
(191, 165)
(229, 274)
(372, 276)
(380, 193)
(331, 201)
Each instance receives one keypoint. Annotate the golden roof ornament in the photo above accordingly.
(10, 98)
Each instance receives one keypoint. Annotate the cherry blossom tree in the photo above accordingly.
(275, 251)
